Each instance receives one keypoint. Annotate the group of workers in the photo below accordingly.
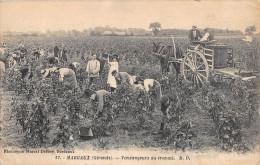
(94, 68)
(115, 78)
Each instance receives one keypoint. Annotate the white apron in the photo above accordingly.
(111, 79)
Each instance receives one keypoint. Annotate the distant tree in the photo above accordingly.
(250, 29)
(156, 27)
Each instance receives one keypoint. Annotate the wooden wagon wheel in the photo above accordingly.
(195, 68)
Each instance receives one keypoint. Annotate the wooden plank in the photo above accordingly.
(230, 72)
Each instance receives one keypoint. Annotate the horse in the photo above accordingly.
(168, 52)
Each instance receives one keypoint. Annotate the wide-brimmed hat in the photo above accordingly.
(115, 56)
(194, 26)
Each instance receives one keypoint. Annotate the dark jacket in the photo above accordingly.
(56, 50)
(102, 64)
(164, 102)
(63, 54)
(198, 35)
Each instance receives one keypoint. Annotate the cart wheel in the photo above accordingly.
(195, 68)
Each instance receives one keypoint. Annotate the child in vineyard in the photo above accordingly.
(93, 68)
(97, 96)
(110, 78)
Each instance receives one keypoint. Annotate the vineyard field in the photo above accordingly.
(222, 117)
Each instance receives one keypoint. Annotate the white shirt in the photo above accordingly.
(194, 33)
(147, 83)
(65, 72)
(134, 78)
(205, 37)
(248, 39)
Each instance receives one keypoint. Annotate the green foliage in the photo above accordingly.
(228, 106)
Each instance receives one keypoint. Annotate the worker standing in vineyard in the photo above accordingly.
(56, 50)
(111, 80)
(102, 60)
(63, 55)
(97, 96)
(93, 68)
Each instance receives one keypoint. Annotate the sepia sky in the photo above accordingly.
(22, 16)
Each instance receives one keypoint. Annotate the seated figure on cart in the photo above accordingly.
(207, 39)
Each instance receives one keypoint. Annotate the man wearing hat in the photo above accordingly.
(194, 34)
(97, 96)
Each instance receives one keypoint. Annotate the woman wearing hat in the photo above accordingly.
(110, 78)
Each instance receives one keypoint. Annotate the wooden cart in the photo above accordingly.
(210, 60)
